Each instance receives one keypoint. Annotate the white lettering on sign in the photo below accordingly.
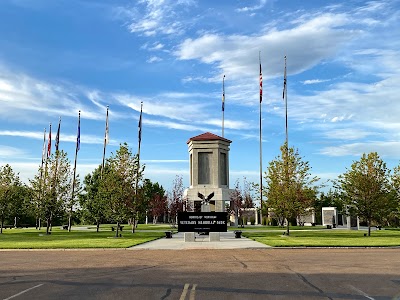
(188, 222)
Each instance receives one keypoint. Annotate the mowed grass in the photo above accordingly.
(127, 227)
(274, 228)
(62, 239)
(326, 238)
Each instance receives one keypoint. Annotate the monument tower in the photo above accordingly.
(209, 173)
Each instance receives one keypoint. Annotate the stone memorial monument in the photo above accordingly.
(329, 216)
(209, 173)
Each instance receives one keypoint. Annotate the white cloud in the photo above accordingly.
(23, 94)
(6, 151)
(384, 148)
(85, 138)
(252, 8)
(154, 59)
(237, 55)
(314, 81)
(153, 17)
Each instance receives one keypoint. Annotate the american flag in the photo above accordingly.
(49, 143)
(223, 93)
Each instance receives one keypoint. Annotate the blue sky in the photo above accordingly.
(58, 57)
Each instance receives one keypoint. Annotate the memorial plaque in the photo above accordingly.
(327, 217)
(202, 222)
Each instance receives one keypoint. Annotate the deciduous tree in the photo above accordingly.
(9, 188)
(175, 199)
(290, 188)
(52, 187)
(366, 187)
(118, 185)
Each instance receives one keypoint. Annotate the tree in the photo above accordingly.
(9, 183)
(52, 187)
(395, 180)
(290, 187)
(118, 186)
(155, 199)
(247, 195)
(236, 200)
(175, 199)
(366, 187)
(92, 203)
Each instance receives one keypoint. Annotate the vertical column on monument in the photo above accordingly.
(209, 172)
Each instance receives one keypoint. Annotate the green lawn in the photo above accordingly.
(127, 227)
(274, 228)
(326, 238)
(34, 239)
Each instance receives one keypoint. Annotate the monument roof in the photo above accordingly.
(208, 136)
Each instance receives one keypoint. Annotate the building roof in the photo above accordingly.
(208, 136)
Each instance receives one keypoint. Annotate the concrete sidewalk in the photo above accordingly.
(227, 241)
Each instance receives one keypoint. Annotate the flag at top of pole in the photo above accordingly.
(44, 146)
(261, 88)
(49, 143)
(107, 130)
(78, 138)
(140, 124)
(284, 81)
(223, 93)
(58, 135)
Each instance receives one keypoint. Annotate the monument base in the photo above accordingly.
(189, 236)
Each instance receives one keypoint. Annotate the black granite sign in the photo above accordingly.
(202, 221)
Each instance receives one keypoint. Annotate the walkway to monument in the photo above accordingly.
(227, 241)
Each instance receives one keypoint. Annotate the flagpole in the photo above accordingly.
(261, 186)
(78, 142)
(286, 106)
(140, 132)
(43, 154)
(105, 143)
(223, 104)
(57, 143)
(138, 155)
(41, 175)
(48, 152)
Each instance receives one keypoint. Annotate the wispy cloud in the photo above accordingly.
(153, 17)
(252, 8)
(389, 149)
(315, 81)
(22, 93)
(6, 151)
(154, 59)
(85, 138)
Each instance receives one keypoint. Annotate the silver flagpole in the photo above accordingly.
(78, 142)
(223, 104)
(261, 186)
(286, 106)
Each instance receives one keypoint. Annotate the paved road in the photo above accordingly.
(201, 274)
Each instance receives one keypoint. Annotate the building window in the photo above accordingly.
(191, 169)
(222, 169)
(204, 167)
